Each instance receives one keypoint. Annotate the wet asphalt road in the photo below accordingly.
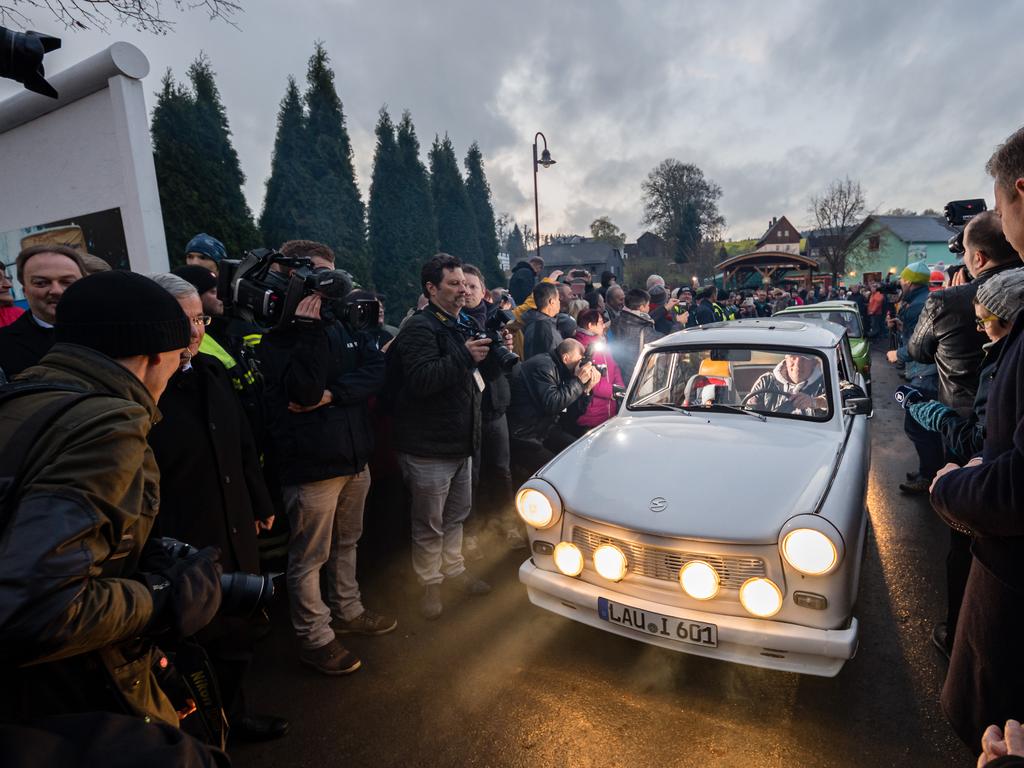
(498, 682)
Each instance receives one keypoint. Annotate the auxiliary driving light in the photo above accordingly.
(699, 580)
(810, 552)
(568, 559)
(761, 597)
(610, 562)
(535, 508)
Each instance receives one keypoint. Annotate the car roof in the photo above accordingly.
(759, 331)
(831, 306)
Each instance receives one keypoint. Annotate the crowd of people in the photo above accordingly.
(140, 415)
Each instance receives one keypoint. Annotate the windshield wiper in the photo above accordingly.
(737, 409)
(663, 407)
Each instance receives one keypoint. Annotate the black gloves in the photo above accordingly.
(186, 594)
(906, 396)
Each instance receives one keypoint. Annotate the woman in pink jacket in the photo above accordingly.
(590, 330)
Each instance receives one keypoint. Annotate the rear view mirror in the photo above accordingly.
(732, 355)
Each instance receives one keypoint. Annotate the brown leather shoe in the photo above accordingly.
(331, 659)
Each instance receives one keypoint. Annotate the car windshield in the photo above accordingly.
(789, 383)
(847, 319)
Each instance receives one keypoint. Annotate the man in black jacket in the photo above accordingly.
(45, 272)
(319, 376)
(542, 389)
(985, 683)
(441, 373)
(945, 333)
(540, 332)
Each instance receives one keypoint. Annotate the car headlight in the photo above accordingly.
(811, 545)
(699, 580)
(568, 559)
(810, 552)
(610, 562)
(761, 597)
(538, 504)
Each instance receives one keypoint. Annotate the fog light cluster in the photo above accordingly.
(699, 580)
(610, 562)
(761, 597)
(568, 559)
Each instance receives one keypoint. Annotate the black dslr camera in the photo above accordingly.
(588, 358)
(242, 594)
(250, 289)
(506, 358)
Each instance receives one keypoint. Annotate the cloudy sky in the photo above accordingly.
(771, 100)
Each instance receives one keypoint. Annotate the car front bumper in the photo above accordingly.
(755, 642)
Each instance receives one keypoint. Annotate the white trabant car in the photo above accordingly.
(722, 512)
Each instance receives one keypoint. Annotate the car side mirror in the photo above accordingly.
(857, 406)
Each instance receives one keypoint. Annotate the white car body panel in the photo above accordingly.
(666, 488)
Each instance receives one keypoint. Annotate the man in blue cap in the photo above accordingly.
(205, 251)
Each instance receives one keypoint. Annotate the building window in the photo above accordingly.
(874, 242)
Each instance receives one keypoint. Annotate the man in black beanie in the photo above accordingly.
(83, 595)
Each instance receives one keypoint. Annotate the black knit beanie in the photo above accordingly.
(121, 314)
(202, 278)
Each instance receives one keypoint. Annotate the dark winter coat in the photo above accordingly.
(211, 484)
(23, 344)
(946, 335)
(497, 394)
(911, 309)
(298, 364)
(985, 683)
(521, 282)
(630, 332)
(71, 603)
(541, 389)
(540, 334)
(703, 313)
(437, 405)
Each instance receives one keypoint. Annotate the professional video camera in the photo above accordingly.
(958, 213)
(492, 330)
(250, 289)
(242, 594)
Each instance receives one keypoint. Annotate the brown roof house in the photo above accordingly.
(781, 237)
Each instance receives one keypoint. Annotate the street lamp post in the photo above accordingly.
(547, 162)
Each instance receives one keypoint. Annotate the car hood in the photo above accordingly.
(723, 477)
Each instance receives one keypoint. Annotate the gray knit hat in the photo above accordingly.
(1003, 295)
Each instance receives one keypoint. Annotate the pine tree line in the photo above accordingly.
(412, 212)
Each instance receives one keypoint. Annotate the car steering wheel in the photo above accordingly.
(749, 395)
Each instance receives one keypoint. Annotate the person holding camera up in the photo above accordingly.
(212, 494)
(440, 367)
(544, 387)
(319, 374)
(83, 594)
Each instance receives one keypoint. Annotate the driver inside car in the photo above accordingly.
(795, 386)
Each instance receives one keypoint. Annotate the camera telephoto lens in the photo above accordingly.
(505, 357)
(245, 593)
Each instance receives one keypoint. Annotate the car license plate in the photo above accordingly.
(684, 630)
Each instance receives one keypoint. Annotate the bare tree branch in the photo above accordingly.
(143, 15)
(835, 213)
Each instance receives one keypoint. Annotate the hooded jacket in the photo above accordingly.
(774, 388)
(70, 604)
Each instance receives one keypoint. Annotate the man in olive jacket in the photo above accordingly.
(442, 373)
(81, 595)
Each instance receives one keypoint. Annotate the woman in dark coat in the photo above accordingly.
(212, 493)
(985, 500)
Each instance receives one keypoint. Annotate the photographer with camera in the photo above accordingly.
(543, 388)
(604, 399)
(440, 367)
(319, 373)
(212, 494)
(83, 595)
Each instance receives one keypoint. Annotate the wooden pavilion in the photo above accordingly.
(770, 265)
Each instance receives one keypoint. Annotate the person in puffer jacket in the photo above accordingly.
(795, 386)
(603, 406)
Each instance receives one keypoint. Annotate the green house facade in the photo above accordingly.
(884, 245)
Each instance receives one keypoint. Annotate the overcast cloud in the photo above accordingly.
(771, 100)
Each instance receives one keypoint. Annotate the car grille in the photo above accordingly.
(664, 564)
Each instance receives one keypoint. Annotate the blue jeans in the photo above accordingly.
(442, 494)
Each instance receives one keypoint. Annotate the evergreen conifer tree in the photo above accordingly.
(456, 224)
(516, 247)
(226, 214)
(479, 192)
(419, 225)
(336, 213)
(385, 221)
(175, 158)
(287, 202)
